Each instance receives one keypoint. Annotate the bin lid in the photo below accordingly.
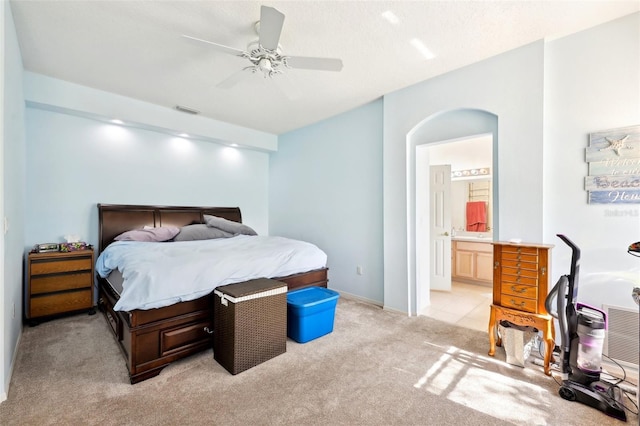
(310, 296)
(250, 287)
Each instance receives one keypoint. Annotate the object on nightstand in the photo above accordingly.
(67, 247)
(46, 248)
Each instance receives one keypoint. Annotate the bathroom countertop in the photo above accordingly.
(470, 238)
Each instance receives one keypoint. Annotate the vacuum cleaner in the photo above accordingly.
(582, 330)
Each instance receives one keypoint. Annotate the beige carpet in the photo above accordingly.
(376, 368)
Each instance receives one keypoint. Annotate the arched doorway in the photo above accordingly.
(442, 126)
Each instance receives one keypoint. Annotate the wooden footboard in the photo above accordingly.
(152, 339)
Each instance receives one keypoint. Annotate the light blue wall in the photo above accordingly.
(73, 163)
(326, 187)
(509, 86)
(13, 197)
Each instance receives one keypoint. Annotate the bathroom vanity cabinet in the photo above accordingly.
(472, 261)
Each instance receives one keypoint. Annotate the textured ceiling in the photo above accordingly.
(136, 48)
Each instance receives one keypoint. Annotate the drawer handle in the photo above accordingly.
(518, 264)
(518, 279)
(520, 305)
(515, 289)
(496, 265)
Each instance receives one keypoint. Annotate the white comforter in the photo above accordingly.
(161, 274)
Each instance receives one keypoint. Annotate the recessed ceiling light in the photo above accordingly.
(183, 135)
(390, 17)
(234, 145)
(116, 121)
(418, 44)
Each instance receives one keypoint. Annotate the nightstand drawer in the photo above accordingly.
(53, 283)
(519, 303)
(61, 302)
(41, 267)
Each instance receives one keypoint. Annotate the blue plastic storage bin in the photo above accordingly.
(310, 313)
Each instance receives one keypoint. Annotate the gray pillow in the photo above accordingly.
(200, 232)
(228, 225)
(161, 233)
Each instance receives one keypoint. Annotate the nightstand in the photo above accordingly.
(58, 283)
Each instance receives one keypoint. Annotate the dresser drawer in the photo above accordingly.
(519, 257)
(53, 283)
(42, 267)
(60, 302)
(519, 279)
(520, 272)
(509, 250)
(519, 303)
(525, 291)
(520, 264)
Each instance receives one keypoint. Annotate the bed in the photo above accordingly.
(151, 339)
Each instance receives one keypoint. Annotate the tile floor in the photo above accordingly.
(467, 305)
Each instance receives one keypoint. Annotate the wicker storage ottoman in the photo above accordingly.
(250, 323)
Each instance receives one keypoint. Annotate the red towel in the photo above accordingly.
(476, 216)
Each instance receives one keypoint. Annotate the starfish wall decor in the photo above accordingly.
(616, 145)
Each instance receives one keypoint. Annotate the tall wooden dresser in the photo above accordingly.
(520, 287)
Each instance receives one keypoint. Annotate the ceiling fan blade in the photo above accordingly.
(271, 22)
(308, 63)
(219, 47)
(233, 79)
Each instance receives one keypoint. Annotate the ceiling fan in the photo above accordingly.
(265, 54)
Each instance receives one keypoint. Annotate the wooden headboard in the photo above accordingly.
(115, 219)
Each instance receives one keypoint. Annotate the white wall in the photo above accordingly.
(73, 163)
(592, 83)
(12, 196)
(326, 187)
(58, 95)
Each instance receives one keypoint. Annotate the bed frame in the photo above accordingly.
(152, 339)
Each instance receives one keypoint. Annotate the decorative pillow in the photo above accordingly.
(162, 233)
(228, 225)
(200, 232)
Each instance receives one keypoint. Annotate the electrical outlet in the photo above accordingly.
(13, 310)
(6, 225)
(359, 270)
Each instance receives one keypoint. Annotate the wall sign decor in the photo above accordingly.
(614, 166)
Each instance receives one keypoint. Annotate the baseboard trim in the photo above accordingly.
(4, 395)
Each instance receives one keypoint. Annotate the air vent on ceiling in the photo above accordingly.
(187, 110)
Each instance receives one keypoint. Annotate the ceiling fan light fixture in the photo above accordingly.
(265, 65)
